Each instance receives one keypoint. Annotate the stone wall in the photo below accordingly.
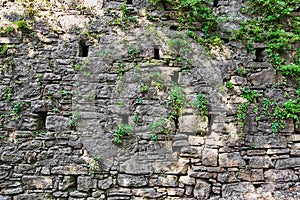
(70, 79)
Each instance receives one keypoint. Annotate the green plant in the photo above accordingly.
(3, 49)
(94, 165)
(160, 126)
(249, 94)
(75, 116)
(16, 108)
(229, 85)
(22, 25)
(241, 71)
(136, 119)
(122, 130)
(290, 70)
(7, 94)
(144, 89)
(200, 105)
(176, 100)
(132, 52)
(154, 137)
(64, 93)
(241, 113)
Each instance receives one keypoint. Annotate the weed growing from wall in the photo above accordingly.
(122, 130)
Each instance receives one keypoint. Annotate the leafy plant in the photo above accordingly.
(132, 52)
(290, 70)
(160, 126)
(154, 137)
(249, 94)
(75, 116)
(22, 25)
(176, 100)
(229, 85)
(200, 105)
(7, 94)
(122, 130)
(16, 108)
(3, 49)
(144, 89)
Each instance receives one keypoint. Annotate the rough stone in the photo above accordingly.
(57, 123)
(84, 183)
(273, 175)
(231, 160)
(105, 183)
(263, 78)
(37, 182)
(287, 163)
(126, 180)
(202, 189)
(258, 162)
(210, 157)
(237, 189)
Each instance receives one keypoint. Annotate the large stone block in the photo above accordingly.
(260, 162)
(84, 183)
(57, 123)
(127, 180)
(231, 160)
(37, 182)
(264, 78)
(210, 157)
(168, 181)
(202, 189)
(287, 163)
(237, 190)
(193, 124)
(280, 175)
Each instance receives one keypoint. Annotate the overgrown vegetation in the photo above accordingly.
(200, 105)
(122, 130)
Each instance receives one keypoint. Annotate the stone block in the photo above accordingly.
(37, 182)
(210, 157)
(227, 177)
(127, 180)
(147, 193)
(187, 180)
(193, 124)
(259, 162)
(57, 123)
(70, 170)
(196, 140)
(237, 189)
(168, 181)
(202, 189)
(280, 175)
(231, 160)
(287, 163)
(175, 192)
(84, 183)
(105, 183)
(264, 78)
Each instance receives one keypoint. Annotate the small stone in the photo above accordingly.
(280, 175)
(287, 163)
(175, 192)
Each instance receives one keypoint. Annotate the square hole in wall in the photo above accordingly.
(156, 53)
(83, 50)
(259, 57)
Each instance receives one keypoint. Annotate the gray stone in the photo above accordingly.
(287, 163)
(84, 183)
(11, 191)
(57, 123)
(263, 78)
(37, 182)
(175, 192)
(210, 157)
(231, 160)
(227, 177)
(168, 181)
(126, 180)
(70, 170)
(260, 162)
(147, 193)
(78, 194)
(280, 175)
(105, 183)
(187, 180)
(202, 189)
(237, 189)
